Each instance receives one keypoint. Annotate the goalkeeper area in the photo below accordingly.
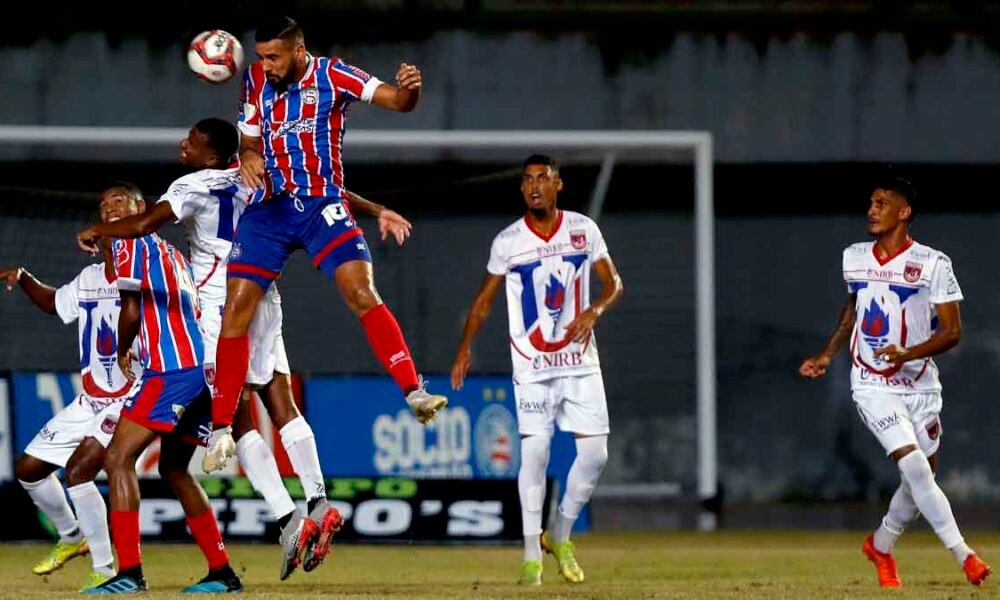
(625, 565)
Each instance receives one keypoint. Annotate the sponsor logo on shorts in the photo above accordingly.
(496, 442)
(527, 406)
(47, 434)
(236, 252)
(108, 425)
(178, 410)
(880, 425)
(934, 429)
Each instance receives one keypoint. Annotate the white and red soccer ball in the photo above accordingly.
(215, 56)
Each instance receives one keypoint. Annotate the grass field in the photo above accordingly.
(669, 565)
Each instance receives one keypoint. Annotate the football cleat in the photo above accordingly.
(95, 579)
(59, 556)
(219, 581)
(330, 521)
(563, 554)
(885, 564)
(531, 573)
(425, 406)
(121, 583)
(295, 538)
(976, 569)
(221, 448)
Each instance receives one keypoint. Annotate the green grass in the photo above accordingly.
(659, 565)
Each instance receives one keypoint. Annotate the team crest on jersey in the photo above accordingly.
(108, 425)
(107, 348)
(578, 239)
(912, 271)
(310, 95)
(121, 253)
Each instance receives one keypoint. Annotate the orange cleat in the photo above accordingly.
(885, 565)
(976, 570)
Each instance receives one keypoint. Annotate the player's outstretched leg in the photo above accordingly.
(878, 546)
(531, 489)
(934, 505)
(175, 456)
(591, 456)
(355, 280)
(38, 479)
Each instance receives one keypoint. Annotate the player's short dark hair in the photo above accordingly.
(275, 27)
(131, 190)
(541, 159)
(898, 185)
(222, 137)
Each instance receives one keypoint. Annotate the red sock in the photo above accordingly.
(125, 532)
(386, 340)
(232, 360)
(205, 531)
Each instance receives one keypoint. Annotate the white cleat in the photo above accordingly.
(425, 406)
(221, 448)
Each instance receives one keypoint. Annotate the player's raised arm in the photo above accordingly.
(389, 221)
(402, 97)
(131, 227)
(611, 290)
(478, 313)
(814, 367)
(41, 295)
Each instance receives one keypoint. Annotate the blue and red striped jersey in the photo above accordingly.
(169, 337)
(302, 128)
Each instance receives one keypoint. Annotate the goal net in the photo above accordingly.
(649, 191)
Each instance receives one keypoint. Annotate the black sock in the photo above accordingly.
(313, 502)
(282, 521)
(135, 572)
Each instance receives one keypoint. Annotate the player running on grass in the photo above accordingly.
(901, 309)
(545, 260)
(209, 202)
(159, 304)
(292, 119)
(75, 438)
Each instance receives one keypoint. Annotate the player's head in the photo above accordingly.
(211, 144)
(121, 199)
(281, 47)
(540, 182)
(891, 205)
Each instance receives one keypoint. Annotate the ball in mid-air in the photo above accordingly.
(215, 56)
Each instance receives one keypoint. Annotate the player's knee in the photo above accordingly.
(171, 472)
(361, 298)
(27, 469)
(594, 457)
(117, 460)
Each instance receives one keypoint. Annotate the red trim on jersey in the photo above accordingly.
(902, 249)
(539, 342)
(93, 390)
(552, 234)
(253, 270)
(215, 265)
(923, 370)
(337, 241)
(514, 346)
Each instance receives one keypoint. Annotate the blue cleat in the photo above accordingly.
(219, 581)
(122, 583)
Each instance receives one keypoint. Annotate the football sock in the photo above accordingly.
(258, 462)
(93, 516)
(531, 489)
(232, 360)
(591, 456)
(125, 533)
(902, 511)
(386, 340)
(300, 444)
(50, 498)
(205, 531)
(931, 501)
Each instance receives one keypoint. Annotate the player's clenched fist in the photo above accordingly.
(11, 277)
(814, 367)
(408, 77)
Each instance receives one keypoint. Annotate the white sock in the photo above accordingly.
(531, 489)
(93, 515)
(591, 456)
(300, 444)
(902, 511)
(932, 502)
(257, 460)
(49, 497)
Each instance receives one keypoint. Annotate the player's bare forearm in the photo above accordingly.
(946, 336)
(611, 286)
(845, 325)
(480, 310)
(138, 225)
(405, 95)
(249, 142)
(363, 206)
(128, 322)
(41, 295)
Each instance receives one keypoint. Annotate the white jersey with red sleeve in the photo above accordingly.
(548, 285)
(93, 302)
(302, 127)
(896, 299)
(208, 203)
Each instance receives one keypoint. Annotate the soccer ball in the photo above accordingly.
(215, 56)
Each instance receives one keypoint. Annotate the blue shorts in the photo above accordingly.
(268, 232)
(178, 402)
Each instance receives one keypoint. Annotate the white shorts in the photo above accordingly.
(899, 420)
(577, 404)
(58, 439)
(267, 347)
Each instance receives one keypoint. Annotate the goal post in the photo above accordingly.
(696, 144)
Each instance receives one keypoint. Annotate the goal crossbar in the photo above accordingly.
(698, 143)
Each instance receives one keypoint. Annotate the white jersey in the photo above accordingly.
(209, 203)
(895, 306)
(93, 301)
(548, 285)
